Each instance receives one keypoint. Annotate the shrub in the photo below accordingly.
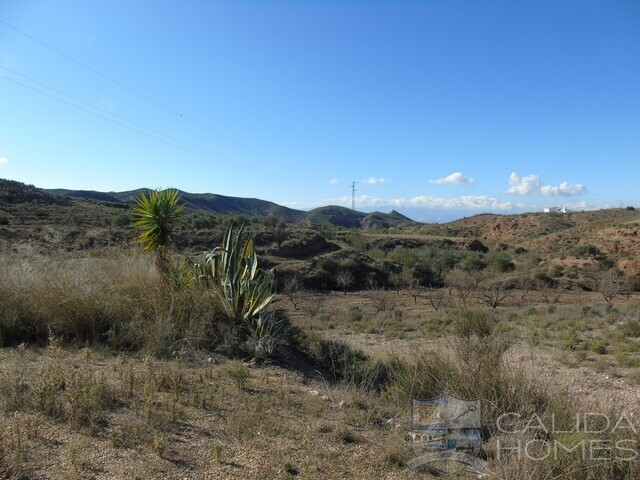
(588, 250)
(355, 313)
(598, 346)
(238, 373)
(631, 328)
(501, 262)
(473, 262)
(232, 271)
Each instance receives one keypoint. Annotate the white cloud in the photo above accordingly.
(532, 185)
(564, 189)
(374, 180)
(334, 181)
(4, 160)
(479, 202)
(523, 185)
(456, 178)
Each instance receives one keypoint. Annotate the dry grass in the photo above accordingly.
(124, 416)
(117, 300)
(118, 379)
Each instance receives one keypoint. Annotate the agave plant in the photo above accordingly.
(232, 270)
(156, 215)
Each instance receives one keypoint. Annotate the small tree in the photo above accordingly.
(463, 283)
(493, 293)
(156, 215)
(551, 292)
(413, 288)
(382, 300)
(292, 289)
(609, 283)
(436, 297)
(280, 233)
(313, 304)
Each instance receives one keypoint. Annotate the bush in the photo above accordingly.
(631, 328)
(473, 262)
(238, 373)
(355, 313)
(588, 250)
(341, 362)
(501, 262)
(475, 367)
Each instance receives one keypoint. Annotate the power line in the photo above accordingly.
(60, 92)
(220, 198)
(135, 92)
(171, 142)
(84, 65)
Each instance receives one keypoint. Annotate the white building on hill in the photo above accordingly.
(563, 209)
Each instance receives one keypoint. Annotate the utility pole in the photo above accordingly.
(353, 202)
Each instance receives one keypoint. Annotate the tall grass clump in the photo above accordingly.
(472, 365)
(475, 365)
(114, 299)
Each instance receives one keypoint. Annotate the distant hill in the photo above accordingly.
(337, 216)
(208, 202)
(85, 194)
(11, 192)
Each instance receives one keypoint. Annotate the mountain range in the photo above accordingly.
(332, 215)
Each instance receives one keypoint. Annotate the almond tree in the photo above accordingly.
(609, 283)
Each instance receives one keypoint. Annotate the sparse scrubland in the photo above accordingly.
(117, 363)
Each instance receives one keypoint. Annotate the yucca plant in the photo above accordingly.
(156, 215)
(232, 269)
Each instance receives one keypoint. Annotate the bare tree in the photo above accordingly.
(382, 300)
(292, 289)
(280, 233)
(493, 293)
(550, 293)
(435, 297)
(396, 281)
(609, 283)
(414, 289)
(525, 277)
(463, 283)
(313, 304)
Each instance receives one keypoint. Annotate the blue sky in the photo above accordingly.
(438, 109)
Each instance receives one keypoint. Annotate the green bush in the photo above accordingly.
(501, 262)
(588, 250)
(631, 328)
(473, 262)
(598, 346)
